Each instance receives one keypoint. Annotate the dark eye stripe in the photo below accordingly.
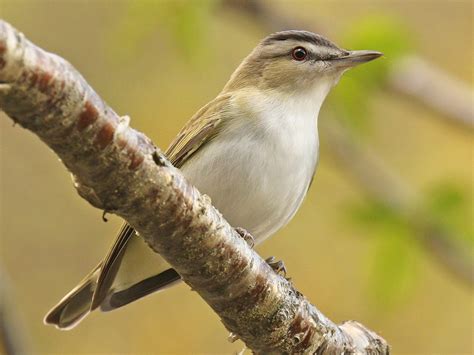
(288, 54)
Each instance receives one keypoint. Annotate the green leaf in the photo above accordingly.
(393, 272)
(449, 203)
(384, 34)
(351, 100)
(394, 259)
(184, 22)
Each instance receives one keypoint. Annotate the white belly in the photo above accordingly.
(257, 172)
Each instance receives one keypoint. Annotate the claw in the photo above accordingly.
(277, 265)
(246, 236)
(232, 338)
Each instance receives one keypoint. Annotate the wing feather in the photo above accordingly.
(201, 128)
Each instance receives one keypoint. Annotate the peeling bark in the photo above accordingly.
(119, 170)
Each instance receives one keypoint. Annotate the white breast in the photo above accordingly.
(257, 171)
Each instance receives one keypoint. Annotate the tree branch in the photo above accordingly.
(415, 77)
(382, 184)
(119, 170)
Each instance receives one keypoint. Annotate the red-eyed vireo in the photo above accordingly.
(253, 150)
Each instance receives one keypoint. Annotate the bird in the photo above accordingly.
(253, 150)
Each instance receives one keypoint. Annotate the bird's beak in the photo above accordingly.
(352, 58)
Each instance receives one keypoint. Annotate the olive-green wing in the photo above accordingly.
(202, 127)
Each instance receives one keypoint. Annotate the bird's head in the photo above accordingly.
(294, 61)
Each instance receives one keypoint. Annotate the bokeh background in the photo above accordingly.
(385, 235)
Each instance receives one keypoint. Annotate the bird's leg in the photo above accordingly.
(246, 236)
(277, 265)
(232, 338)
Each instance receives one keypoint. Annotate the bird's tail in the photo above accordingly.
(75, 305)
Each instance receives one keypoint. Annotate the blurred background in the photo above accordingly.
(385, 235)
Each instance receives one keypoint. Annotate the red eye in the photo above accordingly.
(299, 54)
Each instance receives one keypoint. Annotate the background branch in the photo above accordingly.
(119, 170)
(416, 78)
(381, 183)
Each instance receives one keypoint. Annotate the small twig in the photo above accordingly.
(381, 183)
(416, 77)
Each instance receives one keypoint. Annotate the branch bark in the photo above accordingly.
(119, 170)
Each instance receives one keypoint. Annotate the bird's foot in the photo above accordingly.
(278, 266)
(232, 337)
(246, 236)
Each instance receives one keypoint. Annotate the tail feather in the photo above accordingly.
(141, 289)
(75, 305)
(129, 272)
